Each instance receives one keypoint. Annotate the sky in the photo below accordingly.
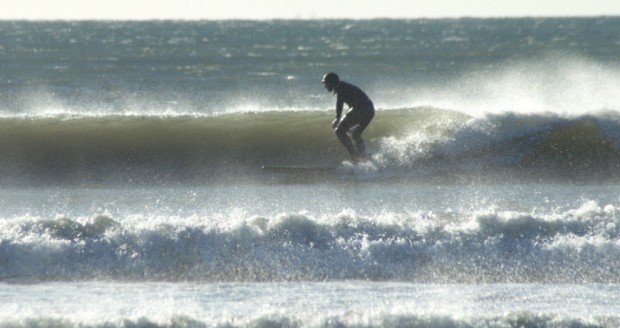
(298, 9)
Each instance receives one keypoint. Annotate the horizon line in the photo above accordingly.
(447, 17)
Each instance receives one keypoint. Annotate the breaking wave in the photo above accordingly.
(578, 245)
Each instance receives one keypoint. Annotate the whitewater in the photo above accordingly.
(132, 192)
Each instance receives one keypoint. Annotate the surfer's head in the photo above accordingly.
(330, 80)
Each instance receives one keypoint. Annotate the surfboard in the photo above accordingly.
(295, 169)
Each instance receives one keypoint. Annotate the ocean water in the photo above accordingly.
(132, 192)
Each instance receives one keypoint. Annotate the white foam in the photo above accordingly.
(319, 304)
(575, 245)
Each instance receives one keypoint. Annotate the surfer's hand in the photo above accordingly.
(334, 123)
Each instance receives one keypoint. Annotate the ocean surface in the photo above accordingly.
(133, 194)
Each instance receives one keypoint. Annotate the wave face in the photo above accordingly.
(180, 148)
(404, 143)
(576, 246)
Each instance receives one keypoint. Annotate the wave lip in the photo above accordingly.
(580, 245)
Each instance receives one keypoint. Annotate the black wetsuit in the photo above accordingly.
(350, 128)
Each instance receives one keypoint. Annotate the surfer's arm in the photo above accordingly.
(339, 105)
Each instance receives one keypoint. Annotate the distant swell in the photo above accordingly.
(579, 245)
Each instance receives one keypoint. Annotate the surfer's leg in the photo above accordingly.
(356, 133)
(342, 133)
(356, 137)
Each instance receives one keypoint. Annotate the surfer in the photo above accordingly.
(350, 128)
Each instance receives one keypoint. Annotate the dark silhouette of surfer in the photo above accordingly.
(350, 128)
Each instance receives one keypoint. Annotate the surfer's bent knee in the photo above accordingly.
(355, 131)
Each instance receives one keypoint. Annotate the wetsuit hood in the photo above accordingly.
(330, 80)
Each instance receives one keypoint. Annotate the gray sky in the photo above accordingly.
(305, 9)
